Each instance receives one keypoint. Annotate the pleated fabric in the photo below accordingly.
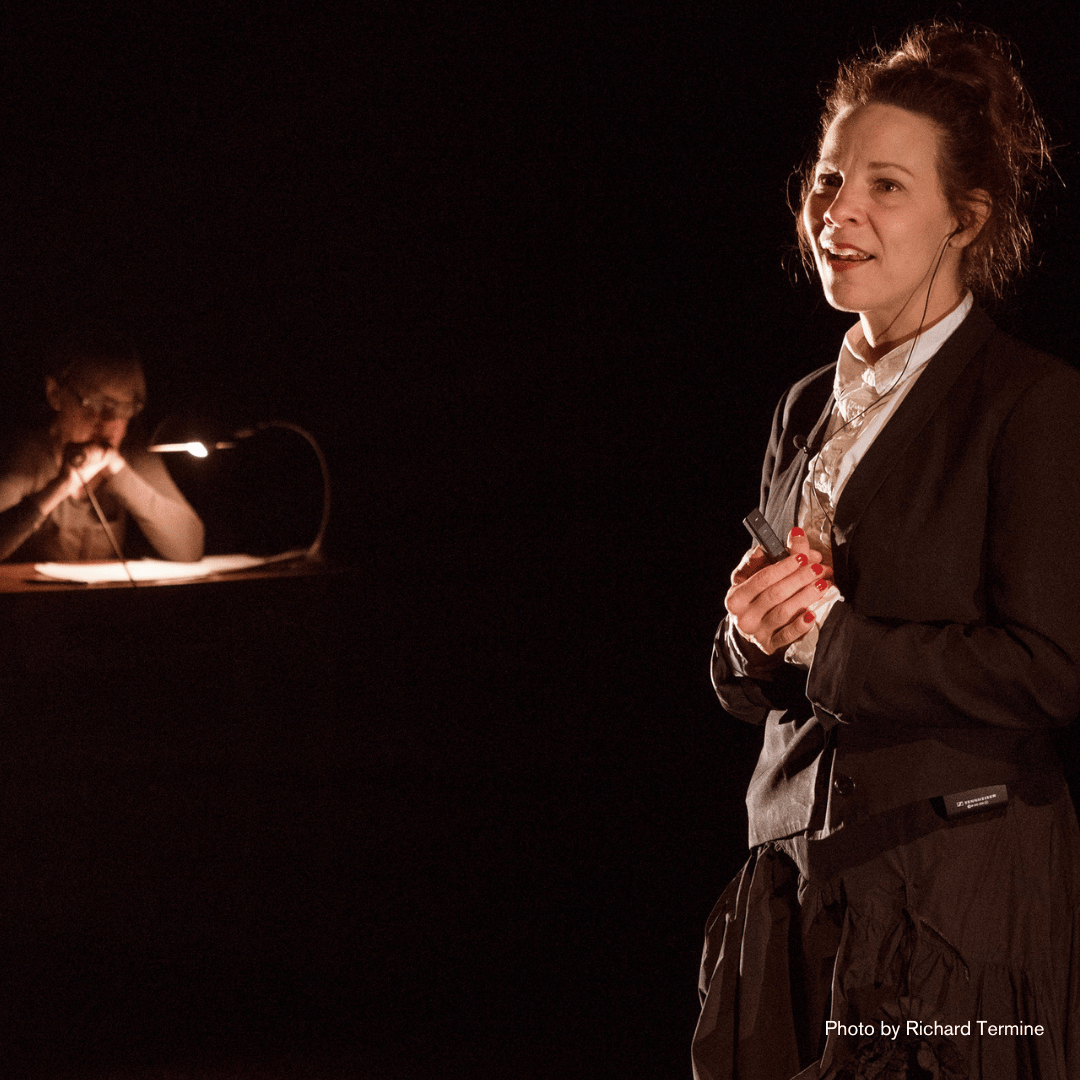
(969, 920)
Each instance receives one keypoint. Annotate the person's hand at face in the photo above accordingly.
(83, 462)
(90, 424)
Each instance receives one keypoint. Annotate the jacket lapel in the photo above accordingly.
(904, 426)
(784, 495)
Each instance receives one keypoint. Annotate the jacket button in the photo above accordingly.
(843, 785)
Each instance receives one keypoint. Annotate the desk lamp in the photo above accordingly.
(201, 447)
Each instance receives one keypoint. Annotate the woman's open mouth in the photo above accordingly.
(845, 258)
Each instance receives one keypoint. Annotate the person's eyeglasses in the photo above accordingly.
(103, 407)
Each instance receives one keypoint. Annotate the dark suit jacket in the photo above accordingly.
(956, 545)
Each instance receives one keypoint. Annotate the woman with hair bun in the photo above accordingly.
(911, 905)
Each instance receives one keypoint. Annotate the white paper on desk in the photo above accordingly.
(148, 569)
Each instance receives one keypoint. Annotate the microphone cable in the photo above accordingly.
(77, 460)
(881, 397)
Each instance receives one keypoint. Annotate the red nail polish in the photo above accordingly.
(821, 585)
(801, 559)
(808, 617)
(797, 531)
(818, 568)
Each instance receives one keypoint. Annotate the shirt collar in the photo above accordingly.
(854, 373)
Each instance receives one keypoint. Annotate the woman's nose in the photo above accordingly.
(844, 207)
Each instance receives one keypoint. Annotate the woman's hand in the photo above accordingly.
(768, 602)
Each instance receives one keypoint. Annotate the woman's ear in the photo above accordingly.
(52, 392)
(974, 213)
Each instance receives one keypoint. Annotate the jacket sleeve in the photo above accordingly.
(751, 692)
(1019, 666)
(747, 687)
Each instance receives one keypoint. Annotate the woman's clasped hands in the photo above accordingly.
(769, 602)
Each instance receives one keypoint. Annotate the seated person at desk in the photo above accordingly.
(45, 513)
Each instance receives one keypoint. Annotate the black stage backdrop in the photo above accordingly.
(527, 272)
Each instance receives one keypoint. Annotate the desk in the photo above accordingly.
(56, 631)
(22, 577)
(177, 792)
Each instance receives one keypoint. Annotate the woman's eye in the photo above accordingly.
(888, 185)
(828, 180)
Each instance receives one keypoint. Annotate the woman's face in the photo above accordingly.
(878, 221)
(94, 408)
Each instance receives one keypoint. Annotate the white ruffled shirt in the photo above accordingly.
(866, 396)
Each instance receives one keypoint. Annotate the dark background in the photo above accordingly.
(527, 273)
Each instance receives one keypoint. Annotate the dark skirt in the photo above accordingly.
(953, 954)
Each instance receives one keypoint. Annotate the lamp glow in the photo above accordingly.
(195, 449)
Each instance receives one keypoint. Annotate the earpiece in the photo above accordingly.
(956, 232)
